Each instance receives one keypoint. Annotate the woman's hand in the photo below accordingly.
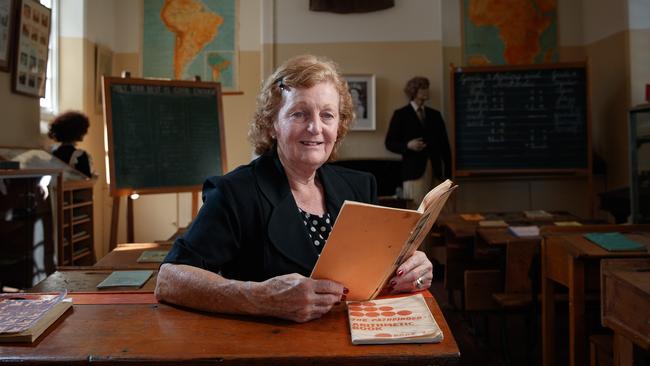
(415, 274)
(296, 297)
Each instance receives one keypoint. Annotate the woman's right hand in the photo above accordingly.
(297, 298)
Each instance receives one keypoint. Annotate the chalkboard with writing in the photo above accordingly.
(163, 136)
(521, 120)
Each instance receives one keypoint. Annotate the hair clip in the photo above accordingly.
(281, 85)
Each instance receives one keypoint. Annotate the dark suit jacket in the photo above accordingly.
(249, 227)
(405, 126)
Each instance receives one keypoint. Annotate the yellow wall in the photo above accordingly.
(19, 116)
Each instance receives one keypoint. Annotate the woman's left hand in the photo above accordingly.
(415, 274)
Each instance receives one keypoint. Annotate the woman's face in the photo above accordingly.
(307, 125)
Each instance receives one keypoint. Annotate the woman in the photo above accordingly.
(68, 129)
(418, 133)
(259, 233)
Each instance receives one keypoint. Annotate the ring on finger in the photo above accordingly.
(419, 283)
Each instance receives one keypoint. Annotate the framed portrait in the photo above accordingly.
(7, 21)
(32, 48)
(362, 89)
(103, 67)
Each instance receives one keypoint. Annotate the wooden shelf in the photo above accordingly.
(77, 248)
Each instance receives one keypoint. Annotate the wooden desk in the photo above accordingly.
(86, 279)
(125, 256)
(625, 300)
(573, 261)
(165, 335)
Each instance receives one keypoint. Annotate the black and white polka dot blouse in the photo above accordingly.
(318, 227)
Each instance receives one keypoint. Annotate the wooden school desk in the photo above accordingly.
(125, 256)
(625, 304)
(86, 279)
(573, 261)
(164, 335)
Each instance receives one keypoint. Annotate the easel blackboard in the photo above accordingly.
(521, 120)
(163, 136)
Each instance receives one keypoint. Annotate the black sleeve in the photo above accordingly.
(83, 164)
(214, 236)
(395, 136)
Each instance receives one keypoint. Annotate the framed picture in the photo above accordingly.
(103, 67)
(32, 46)
(7, 20)
(362, 89)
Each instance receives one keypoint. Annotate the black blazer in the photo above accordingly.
(249, 227)
(405, 126)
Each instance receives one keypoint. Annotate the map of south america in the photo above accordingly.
(194, 27)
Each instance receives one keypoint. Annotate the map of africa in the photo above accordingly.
(185, 38)
(511, 32)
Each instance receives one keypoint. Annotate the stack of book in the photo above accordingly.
(25, 316)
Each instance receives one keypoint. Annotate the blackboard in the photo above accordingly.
(163, 136)
(510, 120)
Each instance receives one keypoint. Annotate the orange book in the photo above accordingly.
(368, 242)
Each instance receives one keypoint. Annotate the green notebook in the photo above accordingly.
(126, 278)
(614, 242)
(152, 256)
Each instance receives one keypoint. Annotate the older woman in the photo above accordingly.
(261, 229)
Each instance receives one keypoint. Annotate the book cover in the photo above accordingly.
(393, 320)
(20, 311)
(614, 242)
(524, 231)
(126, 278)
(472, 217)
(152, 256)
(492, 223)
(537, 214)
(33, 332)
(368, 242)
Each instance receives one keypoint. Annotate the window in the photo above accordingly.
(50, 103)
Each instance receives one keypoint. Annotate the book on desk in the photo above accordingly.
(404, 319)
(24, 317)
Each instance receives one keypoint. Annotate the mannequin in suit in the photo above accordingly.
(418, 133)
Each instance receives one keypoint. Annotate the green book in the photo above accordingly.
(614, 242)
(152, 256)
(126, 278)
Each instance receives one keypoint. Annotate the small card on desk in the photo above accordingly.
(537, 214)
(126, 278)
(472, 217)
(492, 223)
(524, 231)
(614, 242)
(152, 256)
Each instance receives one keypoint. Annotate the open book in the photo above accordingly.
(393, 320)
(368, 242)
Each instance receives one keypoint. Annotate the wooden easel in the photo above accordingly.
(118, 192)
(130, 231)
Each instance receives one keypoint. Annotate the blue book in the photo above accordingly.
(126, 278)
(614, 242)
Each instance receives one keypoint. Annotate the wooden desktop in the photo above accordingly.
(165, 335)
(571, 260)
